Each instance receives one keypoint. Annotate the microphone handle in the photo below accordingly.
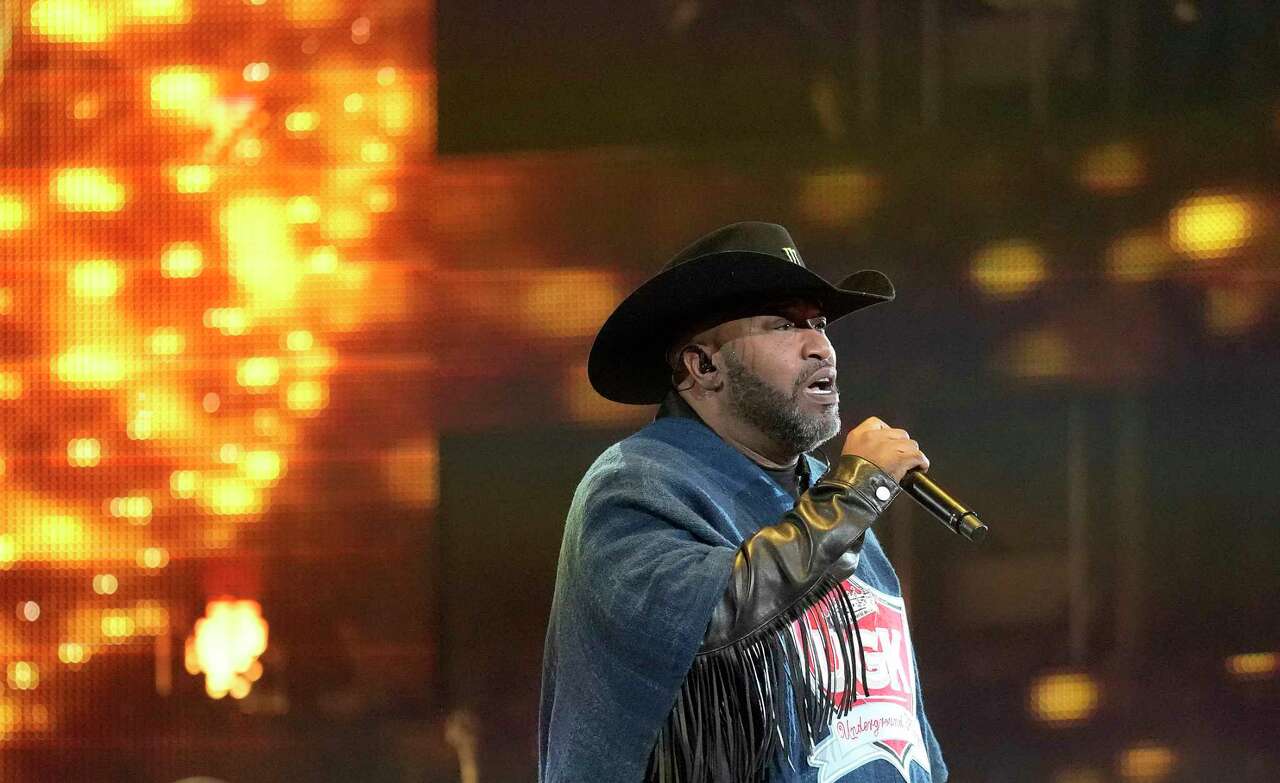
(945, 508)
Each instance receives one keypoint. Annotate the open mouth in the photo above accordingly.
(822, 385)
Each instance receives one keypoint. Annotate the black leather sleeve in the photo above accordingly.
(779, 567)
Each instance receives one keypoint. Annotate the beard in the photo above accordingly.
(779, 416)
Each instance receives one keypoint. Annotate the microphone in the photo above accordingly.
(948, 510)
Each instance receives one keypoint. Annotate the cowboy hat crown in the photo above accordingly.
(726, 274)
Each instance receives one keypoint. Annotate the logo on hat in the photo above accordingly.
(792, 255)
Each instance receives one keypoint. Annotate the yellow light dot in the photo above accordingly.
(71, 21)
(258, 372)
(1112, 168)
(23, 675)
(11, 385)
(261, 466)
(86, 107)
(135, 508)
(6, 301)
(302, 209)
(150, 617)
(116, 626)
(105, 584)
(396, 111)
(311, 13)
(261, 251)
(166, 342)
(375, 151)
(87, 190)
(301, 122)
(84, 452)
(324, 260)
(1147, 762)
(168, 11)
(346, 224)
(231, 321)
(14, 213)
(1211, 226)
(230, 497)
(183, 93)
(89, 367)
(1063, 699)
(256, 72)
(1006, 270)
(1043, 353)
(386, 75)
(249, 149)
(566, 302)
(153, 557)
(184, 483)
(8, 550)
(353, 103)
(99, 279)
(1253, 666)
(1138, 258)
(29, 611)
(299, 340)
(379, 199)
(72, 653)
(307, 396)
(181, 260)
(192, 179)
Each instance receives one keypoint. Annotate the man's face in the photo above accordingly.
(780, 375)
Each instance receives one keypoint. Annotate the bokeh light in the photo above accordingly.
(1209, 226)
(1008, 269)
(1063, 698)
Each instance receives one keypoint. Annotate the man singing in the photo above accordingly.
(723, 611)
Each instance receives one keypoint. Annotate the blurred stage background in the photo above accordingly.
(295, 299)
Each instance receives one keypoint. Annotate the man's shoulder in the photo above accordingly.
(661, 448)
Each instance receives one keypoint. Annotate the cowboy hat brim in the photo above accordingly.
(628, 358)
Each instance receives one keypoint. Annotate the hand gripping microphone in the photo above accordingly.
(948, 510)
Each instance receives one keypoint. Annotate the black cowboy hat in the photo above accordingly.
(727, 274)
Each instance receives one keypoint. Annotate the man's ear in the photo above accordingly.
(701, 369)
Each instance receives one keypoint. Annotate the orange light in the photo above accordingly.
(396, 112)
(309, 13)
(231, 321)
(1253, 666)
(1112, 168)
(88, 190)
(375, 151)
(184, 483)
(14, 213)
(1210, 226)
(196, 178)
(836, 197)
(71, 21)
(116, 626)
(161, 11)
(135, 508)
(261, 253)
(303, 209)
(98, 279)
(301, 122)
(353, 103)
(1138, 258)
(411, 471)
(153, 557)
(225, 644)
(84, 452)
(258, 372)
(89, 366)
(256, 72)
(1147, 762)
(1063, 699)
(230, 497)
(72, 653)
(105, 584)
(166, 342)
(183, 93)
(1009, 269)
(182, 260)
(24, 675)
(299, 340)
(262, 466)
(307, 397)
(11, 385)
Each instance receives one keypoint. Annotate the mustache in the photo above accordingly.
(812, 366)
